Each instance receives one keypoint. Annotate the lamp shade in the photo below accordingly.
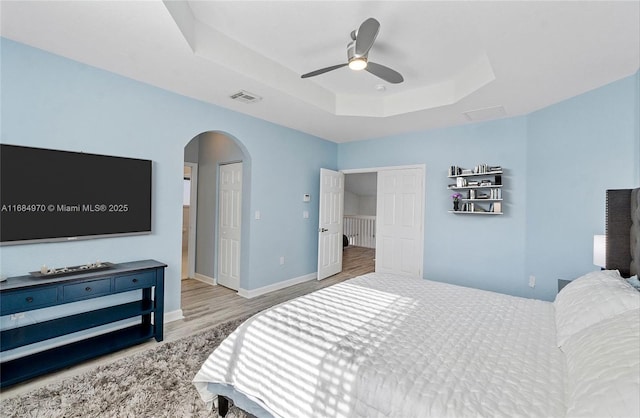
(600, 250)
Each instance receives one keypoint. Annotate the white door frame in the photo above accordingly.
(423, 167)
(193, 219)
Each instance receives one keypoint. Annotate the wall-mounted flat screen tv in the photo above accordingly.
(51, 195)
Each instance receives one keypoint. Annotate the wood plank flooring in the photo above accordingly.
(205, 306)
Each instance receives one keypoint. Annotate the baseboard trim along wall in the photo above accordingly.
(205, 279)
(173, 316)
(249, 294)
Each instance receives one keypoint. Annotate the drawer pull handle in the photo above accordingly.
(135, 280)
(29, 299)
(88, 289)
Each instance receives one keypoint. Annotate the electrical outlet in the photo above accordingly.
(282, 260)
(16, 316)
(532, 281)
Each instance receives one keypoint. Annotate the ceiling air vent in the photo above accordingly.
(487, 113)
(246, 97)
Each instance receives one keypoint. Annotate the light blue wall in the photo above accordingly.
(576, 150)
(558, 161)
(293, 169)
(469, 250)
(52, 102)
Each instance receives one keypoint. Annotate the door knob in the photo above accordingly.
(323, 230)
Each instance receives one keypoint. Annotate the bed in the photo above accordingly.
(389, 346)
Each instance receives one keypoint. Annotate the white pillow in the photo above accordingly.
(590, 299)
(603, 368)
(633, 281)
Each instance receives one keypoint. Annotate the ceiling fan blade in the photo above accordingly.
(323, 70)
(385, 73)
(366, 35)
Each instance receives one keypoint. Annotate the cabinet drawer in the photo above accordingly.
(86, 290)
(29, 299)
(136, 281)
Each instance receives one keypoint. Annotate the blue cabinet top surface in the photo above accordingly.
(18, 282)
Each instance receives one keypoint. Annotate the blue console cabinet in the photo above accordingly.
(26, 293)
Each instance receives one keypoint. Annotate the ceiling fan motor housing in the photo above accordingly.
(351, 52)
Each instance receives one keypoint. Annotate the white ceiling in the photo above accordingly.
(462, 61)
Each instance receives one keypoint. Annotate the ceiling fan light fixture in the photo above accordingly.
(358, 64)
(358, 55)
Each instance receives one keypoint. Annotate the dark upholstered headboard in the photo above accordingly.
(623, 231)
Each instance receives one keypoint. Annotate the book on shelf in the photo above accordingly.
(467, 207)
(454, 170)
(495, 194)
(496, 207)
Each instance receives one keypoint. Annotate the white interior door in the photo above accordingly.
(330, 224)
(400, 232)
(229, 224)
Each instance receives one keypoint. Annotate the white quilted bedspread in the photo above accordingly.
(386, 346)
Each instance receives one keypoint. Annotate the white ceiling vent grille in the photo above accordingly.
(487, 113)
(246, 97)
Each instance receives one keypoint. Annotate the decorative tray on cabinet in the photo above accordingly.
(65, 271)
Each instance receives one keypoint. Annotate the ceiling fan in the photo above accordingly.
(358, 55)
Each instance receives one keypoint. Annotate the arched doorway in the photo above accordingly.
(207, 153)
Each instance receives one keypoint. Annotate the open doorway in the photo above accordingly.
(359, 223)
(207, 253)
(189, 218)
(398, 223)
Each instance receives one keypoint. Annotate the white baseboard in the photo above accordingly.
(173, 316)
(205, 279)
(249, 294)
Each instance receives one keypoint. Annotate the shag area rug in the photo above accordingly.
(153, 383)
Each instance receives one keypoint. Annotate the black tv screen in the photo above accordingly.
(50, 195)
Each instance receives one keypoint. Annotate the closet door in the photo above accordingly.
(229, 221)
